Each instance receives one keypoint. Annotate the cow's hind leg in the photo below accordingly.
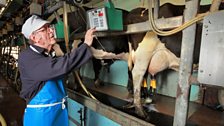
(143, 56)
(97, 67)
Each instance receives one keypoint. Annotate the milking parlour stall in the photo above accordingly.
(154, 63)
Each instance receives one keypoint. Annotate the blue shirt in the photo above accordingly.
(36, 67)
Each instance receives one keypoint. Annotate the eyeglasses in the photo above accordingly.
(44, 28)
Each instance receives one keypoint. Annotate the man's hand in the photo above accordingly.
(89, 36)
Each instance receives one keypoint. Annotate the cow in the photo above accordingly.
(153, 53)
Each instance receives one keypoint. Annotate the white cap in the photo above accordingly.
(32, 24)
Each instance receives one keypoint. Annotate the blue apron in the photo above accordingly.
(48, 108)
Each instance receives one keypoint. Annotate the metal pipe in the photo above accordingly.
(186, 61)
(156, 9)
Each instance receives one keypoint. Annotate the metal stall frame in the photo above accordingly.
(120, 117)
(185, 79)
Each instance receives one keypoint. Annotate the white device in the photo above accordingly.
(97, 18)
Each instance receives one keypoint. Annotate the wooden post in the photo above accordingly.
(215, 5)
(65, 19)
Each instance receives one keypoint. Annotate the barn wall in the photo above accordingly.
(118, 73)
(167, 80)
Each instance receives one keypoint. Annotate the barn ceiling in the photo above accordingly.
(13, 8)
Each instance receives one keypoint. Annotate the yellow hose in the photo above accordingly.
(167, 33)
(65, 19)
(2, 120)
(83, 86)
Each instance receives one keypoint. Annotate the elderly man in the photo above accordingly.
(42, 73)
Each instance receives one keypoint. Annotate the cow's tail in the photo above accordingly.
(130, 57)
